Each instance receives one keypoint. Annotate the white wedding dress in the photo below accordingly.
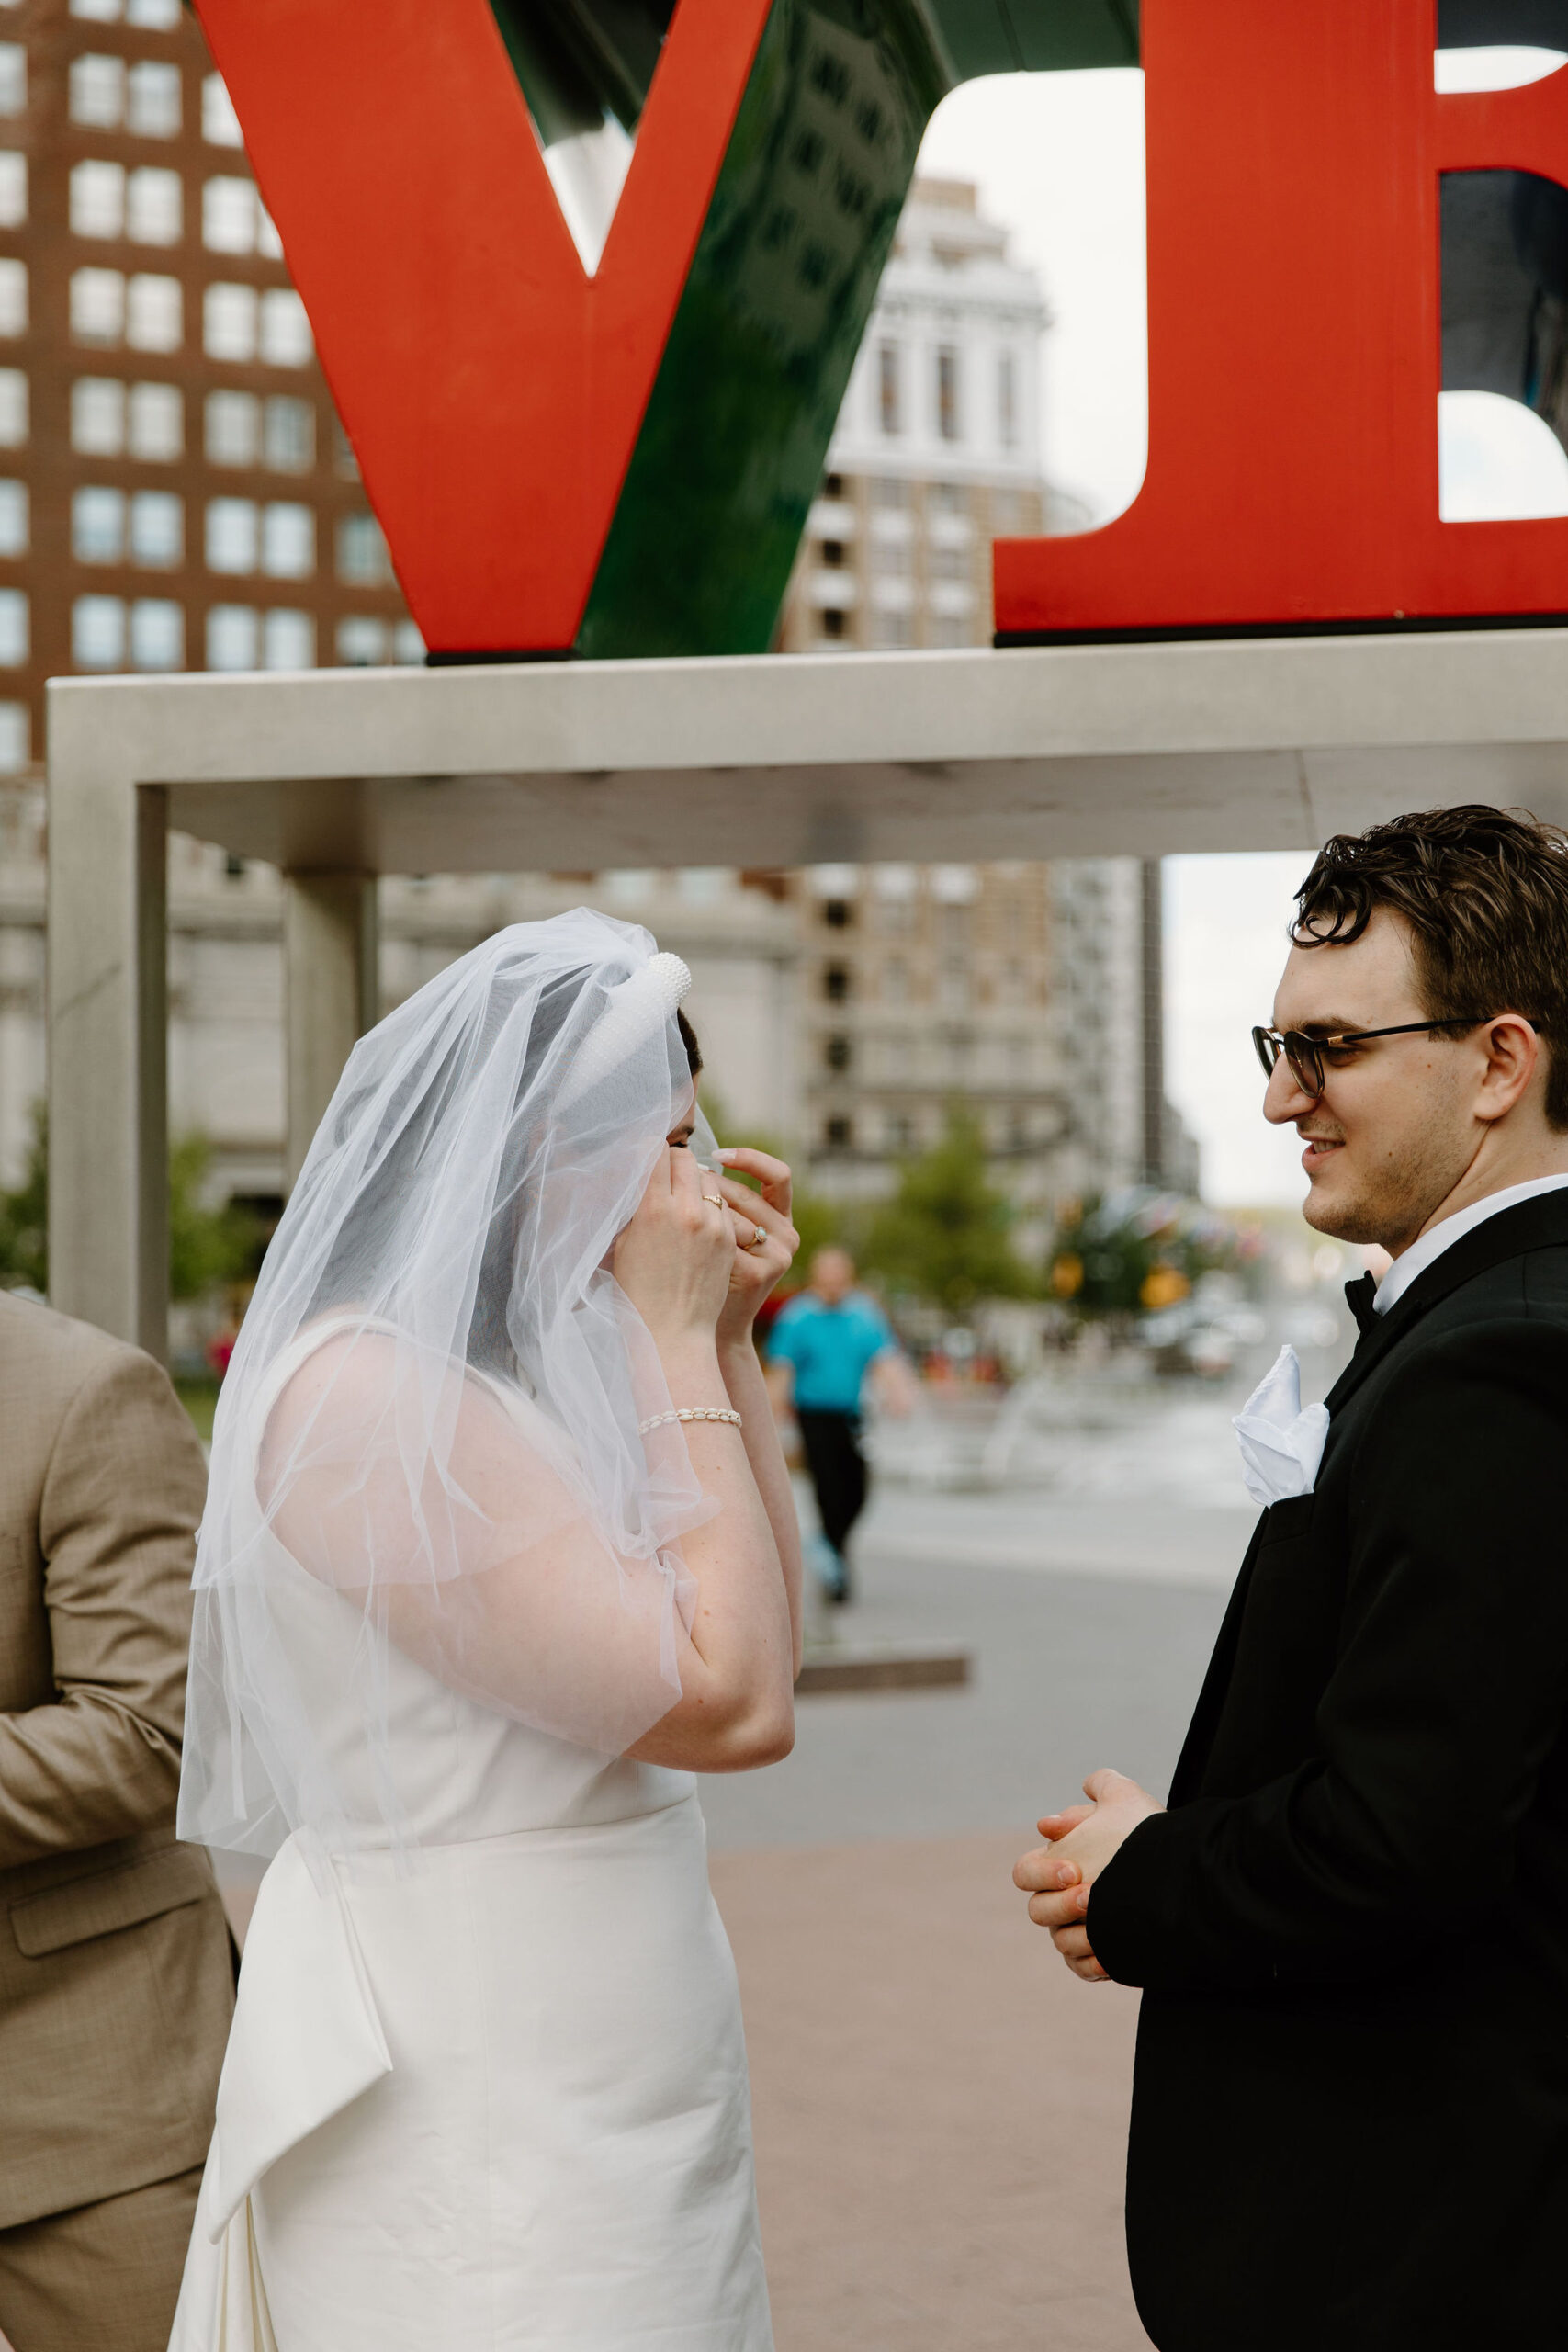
(486, 2089)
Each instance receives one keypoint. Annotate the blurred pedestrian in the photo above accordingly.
(116, 1984)
(821, 1349)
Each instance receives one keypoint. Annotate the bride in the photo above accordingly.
(498, 1551)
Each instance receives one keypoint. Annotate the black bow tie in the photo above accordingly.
(1360, 1294)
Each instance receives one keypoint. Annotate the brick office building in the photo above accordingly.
(175, 492)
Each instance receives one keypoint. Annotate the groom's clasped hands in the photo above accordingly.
(1059, 1876)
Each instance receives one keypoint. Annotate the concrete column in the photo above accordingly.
(331, 990)
(108, 1168)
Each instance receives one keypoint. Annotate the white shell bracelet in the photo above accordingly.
(690, 1413)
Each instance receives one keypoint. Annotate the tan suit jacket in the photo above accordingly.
(115, 1979)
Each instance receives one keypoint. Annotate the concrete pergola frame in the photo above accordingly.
(337, 776)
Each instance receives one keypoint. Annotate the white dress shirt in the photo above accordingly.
(1421, 1254)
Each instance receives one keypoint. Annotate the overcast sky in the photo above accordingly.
(1058, 159)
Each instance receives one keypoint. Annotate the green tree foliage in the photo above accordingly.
(1136, 1251)
(24, 1216)
(946, 1234)
(206, 1246)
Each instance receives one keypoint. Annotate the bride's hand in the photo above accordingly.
(674, 1258)
(765, 1240)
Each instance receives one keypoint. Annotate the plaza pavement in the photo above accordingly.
(940, 2109)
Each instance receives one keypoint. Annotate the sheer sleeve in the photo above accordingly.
(482, 1562)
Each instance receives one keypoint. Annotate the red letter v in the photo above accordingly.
(492, 391)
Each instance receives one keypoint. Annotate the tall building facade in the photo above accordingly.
(842, 1009)
(175, 492)
(1018, 986)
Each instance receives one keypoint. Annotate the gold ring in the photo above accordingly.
(714, 1198)
(759, 1236)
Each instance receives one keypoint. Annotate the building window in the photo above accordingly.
(97, 526)
(887, 492)
(232, 637)
(408, 645)
(236, 326)
(229, 322)
(285, 330)
(14, 628)
(153, 100)
(12, 518)
(97, 306)
(157, 530)
(837, 913)
(231, 536)
(157, 422)
(839, 1134)
(837, 1053)
(362, 555)
(289, 641)
(831, 622)
(232, 422)
(892, 632)
(836, 983)
(15, 733)
(152, 16)
(361, 641)
(13, 298)
(95, 91)
(947, 418)
(219, 123)
(288, 541)
(344, 463)
(12, 408)
(13, 189)
(157, 634)
(289, 435)
(950, 563)
(154, 202)
(154, 314)
(888, 372)
(229, 210)
(98, 200)
(13, 77)
(946, 630)
(832, 553)
(97, 632)
(892, 558)
(1007, 400)
(948, 498)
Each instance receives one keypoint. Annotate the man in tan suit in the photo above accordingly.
(116, 1984)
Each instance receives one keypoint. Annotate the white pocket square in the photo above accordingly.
(1281, 1438)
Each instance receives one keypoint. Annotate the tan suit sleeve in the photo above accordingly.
(117, 1526)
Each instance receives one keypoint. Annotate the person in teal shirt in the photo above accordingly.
(824, 1343)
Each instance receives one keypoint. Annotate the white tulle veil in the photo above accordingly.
(426, 1448)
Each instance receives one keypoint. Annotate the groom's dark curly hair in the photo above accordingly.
(1484, 892)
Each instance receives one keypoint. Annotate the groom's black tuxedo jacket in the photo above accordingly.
(1351, 2114)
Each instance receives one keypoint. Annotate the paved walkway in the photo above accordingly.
(939, 2108)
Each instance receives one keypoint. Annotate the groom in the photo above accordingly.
(1351, 2110)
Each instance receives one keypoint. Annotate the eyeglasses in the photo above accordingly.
(1306, 1054)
